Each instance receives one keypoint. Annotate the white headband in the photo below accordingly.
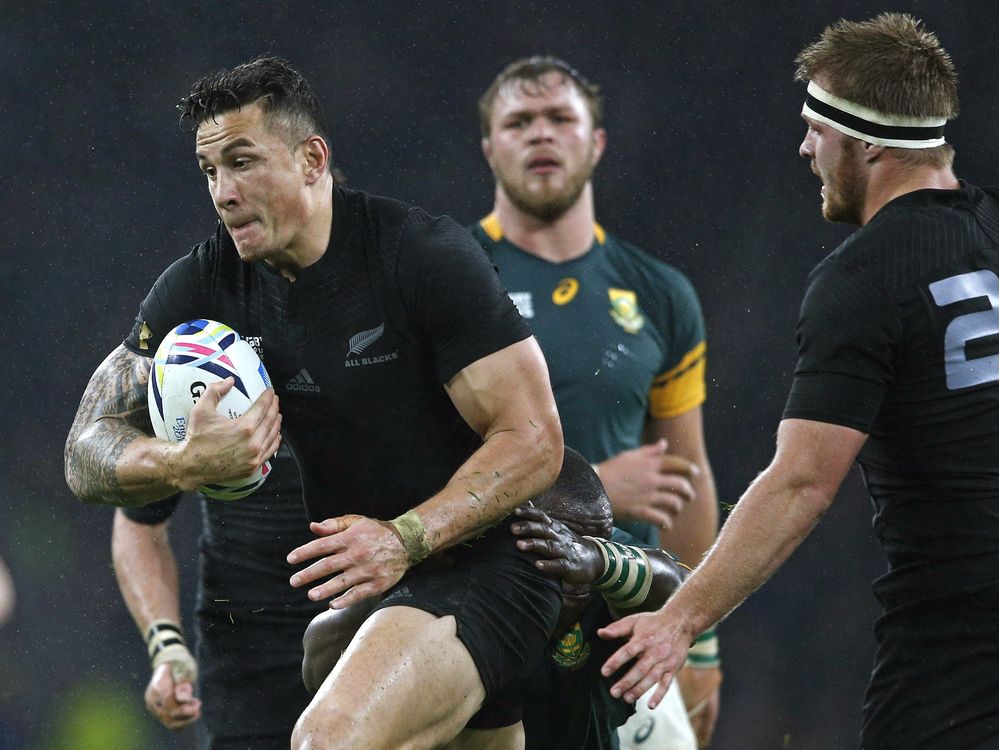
(870, 125)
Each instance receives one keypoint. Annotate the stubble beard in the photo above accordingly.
(548, 205)
(845, 203)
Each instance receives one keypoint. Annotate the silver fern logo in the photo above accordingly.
(361, 341)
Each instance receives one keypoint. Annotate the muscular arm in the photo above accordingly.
(111, 458)
(693, 530)
(772, 518)
(507, 399)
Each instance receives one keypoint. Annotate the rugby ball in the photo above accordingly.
(189, 359)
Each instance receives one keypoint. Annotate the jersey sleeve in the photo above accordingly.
(153, 513)
(680, 386)
(846, 333)
(453, 294)
(179, 294)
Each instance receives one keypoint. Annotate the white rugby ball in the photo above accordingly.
(190, 358)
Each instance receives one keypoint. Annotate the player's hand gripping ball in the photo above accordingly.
(190, 358)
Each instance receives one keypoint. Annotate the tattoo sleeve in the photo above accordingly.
(112, 414)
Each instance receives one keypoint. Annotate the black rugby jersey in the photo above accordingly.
(898, 339)
(358, 347)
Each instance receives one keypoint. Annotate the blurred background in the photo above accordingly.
(101, 192)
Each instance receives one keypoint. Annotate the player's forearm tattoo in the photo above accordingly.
(112, 414)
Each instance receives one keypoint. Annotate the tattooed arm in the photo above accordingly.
(111, 458)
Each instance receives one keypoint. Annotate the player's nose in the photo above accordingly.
(224, 192)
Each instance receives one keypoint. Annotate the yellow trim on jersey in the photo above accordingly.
(681, 388)
(491, 225)
(600, 234)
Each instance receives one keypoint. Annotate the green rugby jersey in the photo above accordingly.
(622, 333)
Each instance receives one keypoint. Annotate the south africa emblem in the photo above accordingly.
(571, 652)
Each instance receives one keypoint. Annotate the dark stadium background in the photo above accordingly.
(100, 192)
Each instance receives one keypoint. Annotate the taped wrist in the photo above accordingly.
(410, 528)
(627, 577)
(166, 645)
(704, 653)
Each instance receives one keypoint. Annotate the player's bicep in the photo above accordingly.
(506, 390)
(116, 391)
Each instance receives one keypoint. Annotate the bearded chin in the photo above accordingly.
(846, 203)
(548, 206)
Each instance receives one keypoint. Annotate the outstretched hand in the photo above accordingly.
(656, 647)
(363, 556)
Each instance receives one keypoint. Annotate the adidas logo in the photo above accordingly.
(302, 382)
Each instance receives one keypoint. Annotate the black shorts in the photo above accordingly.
(250, 680)
(935, 679)
(505, 610)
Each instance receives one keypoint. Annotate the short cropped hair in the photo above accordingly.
(891, 64)
(286, 97)
(533, 70)
(577, 497)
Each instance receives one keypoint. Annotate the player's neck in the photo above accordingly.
(311, 243)
(568, 237)
(891, 180)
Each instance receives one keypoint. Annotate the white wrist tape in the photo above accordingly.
(165, 645)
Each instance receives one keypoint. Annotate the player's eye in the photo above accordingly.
(240, 162)
(208, 171)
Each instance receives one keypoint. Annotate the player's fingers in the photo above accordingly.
(271, 448)
(557, 567)
(658, 517)
(661, 690)
(534, 529)
(326, 566)
(656, 448)
(677, 485)
(645, 682)
(618, 629)
(530, 513)
(357, 594)
(671, 463)
(215, 391)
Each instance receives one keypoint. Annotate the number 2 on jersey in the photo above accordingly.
(960, 371)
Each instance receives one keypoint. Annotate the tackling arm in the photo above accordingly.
(507, 399)
(772, 518)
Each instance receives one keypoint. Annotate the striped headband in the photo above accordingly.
(870, 125)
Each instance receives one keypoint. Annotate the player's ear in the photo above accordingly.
(873, 152)
(599, 139)
(487, 148)
(317, 158)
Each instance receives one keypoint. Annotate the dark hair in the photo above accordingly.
(890, 63)
(532, 70)
(578, 498)
(286, 97)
